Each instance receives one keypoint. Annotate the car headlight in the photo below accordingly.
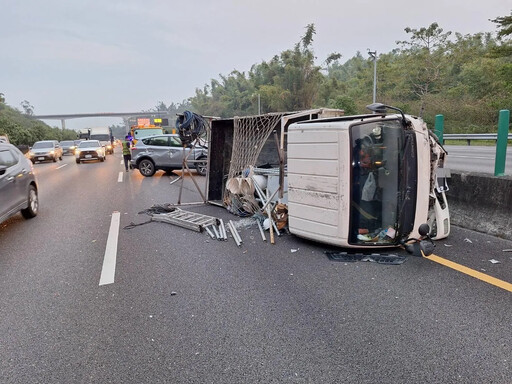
(52, 152)
(71, 148)
(31, 154)
(109, 147)
(77, 151)
(99, 151)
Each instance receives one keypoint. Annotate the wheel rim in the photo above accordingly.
(33, 203)
(146, 168)
(201, 168)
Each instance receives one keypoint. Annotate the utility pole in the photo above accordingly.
(373, 55)
(259, 105)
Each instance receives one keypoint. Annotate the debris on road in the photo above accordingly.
(378, 258)
(186, 219)
(235, 233)
(172, 215)
(468, 241)
(210, 232)
(494, 261)
(507, 250)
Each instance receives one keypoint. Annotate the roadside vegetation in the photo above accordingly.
(22, 129)
(467, 78)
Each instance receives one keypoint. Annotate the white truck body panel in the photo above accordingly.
(320, 174)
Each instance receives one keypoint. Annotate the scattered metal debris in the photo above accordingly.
(467, 240)
(190, 220)
(170, 214)
(223, 230)
(261, 230)
(494, 261)
(234, 233)
(210, 232)
(390, 259)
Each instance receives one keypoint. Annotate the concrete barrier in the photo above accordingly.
(481, 202)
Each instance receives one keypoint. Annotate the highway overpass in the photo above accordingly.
(64, 117)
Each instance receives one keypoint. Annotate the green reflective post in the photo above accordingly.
(439, 128)
(501, 143)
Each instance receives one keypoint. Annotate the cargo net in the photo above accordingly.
(249, 137)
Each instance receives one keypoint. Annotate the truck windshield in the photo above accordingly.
(101, 137)
(376, 157)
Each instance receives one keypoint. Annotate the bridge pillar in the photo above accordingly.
(63, 123)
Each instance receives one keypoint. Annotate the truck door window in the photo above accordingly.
(376, 156)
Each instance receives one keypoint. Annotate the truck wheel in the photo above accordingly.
(147, 168)
(77, 161)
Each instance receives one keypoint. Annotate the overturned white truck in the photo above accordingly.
(366, 181)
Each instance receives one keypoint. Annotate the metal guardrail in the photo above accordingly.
(472, 136)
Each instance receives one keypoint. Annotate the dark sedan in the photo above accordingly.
(18, 186)
(68, 147)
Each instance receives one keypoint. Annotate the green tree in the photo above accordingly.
(505, 31)
(27, 108)
(423, 63)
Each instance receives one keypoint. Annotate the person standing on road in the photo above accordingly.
(127, 156)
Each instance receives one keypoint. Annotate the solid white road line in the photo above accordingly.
(63, 165)
(109, 260)
(120, 177)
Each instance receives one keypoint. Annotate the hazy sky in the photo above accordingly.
(71, 56)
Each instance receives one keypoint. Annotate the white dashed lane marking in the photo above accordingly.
(108, 270)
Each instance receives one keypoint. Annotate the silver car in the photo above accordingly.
(45, 150)
(18, 186)
(166, 152)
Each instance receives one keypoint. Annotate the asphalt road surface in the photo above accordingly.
(476, 159)
(183, 308)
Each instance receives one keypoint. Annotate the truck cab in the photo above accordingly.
(366, 180)
(104, 136)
